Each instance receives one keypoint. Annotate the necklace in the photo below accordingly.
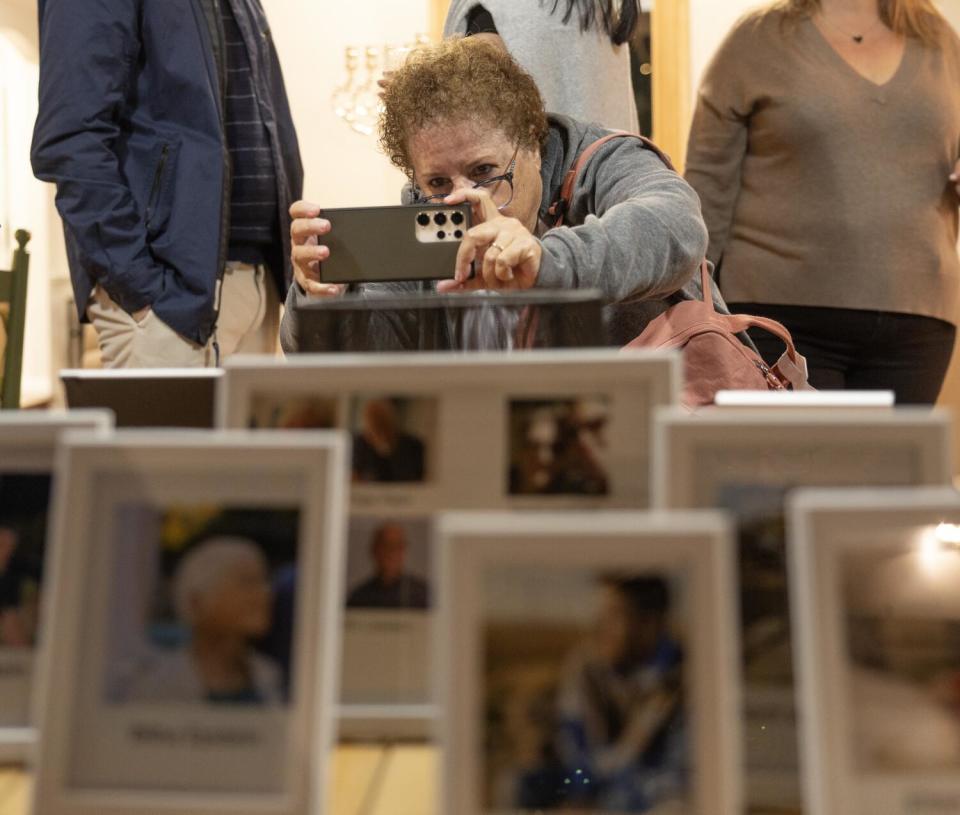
(857, 38)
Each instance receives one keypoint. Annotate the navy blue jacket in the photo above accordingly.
(130, 128)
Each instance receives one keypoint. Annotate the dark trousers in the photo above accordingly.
(852, 349)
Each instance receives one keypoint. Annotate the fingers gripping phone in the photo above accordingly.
(378, 244)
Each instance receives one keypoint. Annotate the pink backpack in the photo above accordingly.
(714, 358)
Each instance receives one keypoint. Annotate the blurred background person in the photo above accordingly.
(382, 451)
(222, 597)
(391, 585)
(825, 150)
(171, 143)
(576, 51)
(621, 730)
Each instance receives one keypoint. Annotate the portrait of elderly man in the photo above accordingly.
(465, 123)
(221, 596)
(382, 450)
(391, 585)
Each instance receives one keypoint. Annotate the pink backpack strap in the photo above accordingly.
(558, 209)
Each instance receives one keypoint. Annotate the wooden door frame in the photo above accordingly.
(670, 44)
(670, 38)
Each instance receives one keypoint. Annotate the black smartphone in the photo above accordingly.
(377, 244)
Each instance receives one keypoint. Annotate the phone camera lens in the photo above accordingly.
(441, 235)
(457, 217)
(439, 219)
(458, 234)
(423, 219)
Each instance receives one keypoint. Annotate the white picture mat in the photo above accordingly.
(235, 469)
(825, 527)
(470, 457)
(27, 446)
(694, 544)
(696, 455)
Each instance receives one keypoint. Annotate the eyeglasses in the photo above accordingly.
(500, 188)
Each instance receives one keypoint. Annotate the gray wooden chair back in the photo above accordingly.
(13, 313)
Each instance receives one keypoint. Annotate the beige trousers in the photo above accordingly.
(249, 324)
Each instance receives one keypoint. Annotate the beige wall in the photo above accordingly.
(24, 201)
(343, 168)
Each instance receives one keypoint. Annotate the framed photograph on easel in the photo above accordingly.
(747, 462)
(876, 612)
(195, 612)
(588, 662)
(27, 447)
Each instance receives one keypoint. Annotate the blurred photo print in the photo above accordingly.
(584, 695)
(28, 444)
(393, 438)
(196, 607)
(292, 412)
(388, 563)
(764, 599)
(559, 446)
(202, 605)
(902, 615)
(750, 462)
(876, 579)
(24, 500)
(387, 651)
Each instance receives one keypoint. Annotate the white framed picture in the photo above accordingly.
(587, 662)
(746, 462)
(27, 447)
(439, 431)
(433, 432)
(195, 611)
(876, 614)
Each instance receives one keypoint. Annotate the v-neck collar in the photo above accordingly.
(835, 56)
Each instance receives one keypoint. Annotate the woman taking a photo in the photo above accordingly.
(825, 151)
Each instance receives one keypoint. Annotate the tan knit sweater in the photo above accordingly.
(821, 188)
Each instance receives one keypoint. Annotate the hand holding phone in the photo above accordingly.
(306, 230)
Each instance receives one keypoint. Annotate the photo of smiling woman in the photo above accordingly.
(204, 619)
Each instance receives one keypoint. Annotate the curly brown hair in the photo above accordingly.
(461, 79)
